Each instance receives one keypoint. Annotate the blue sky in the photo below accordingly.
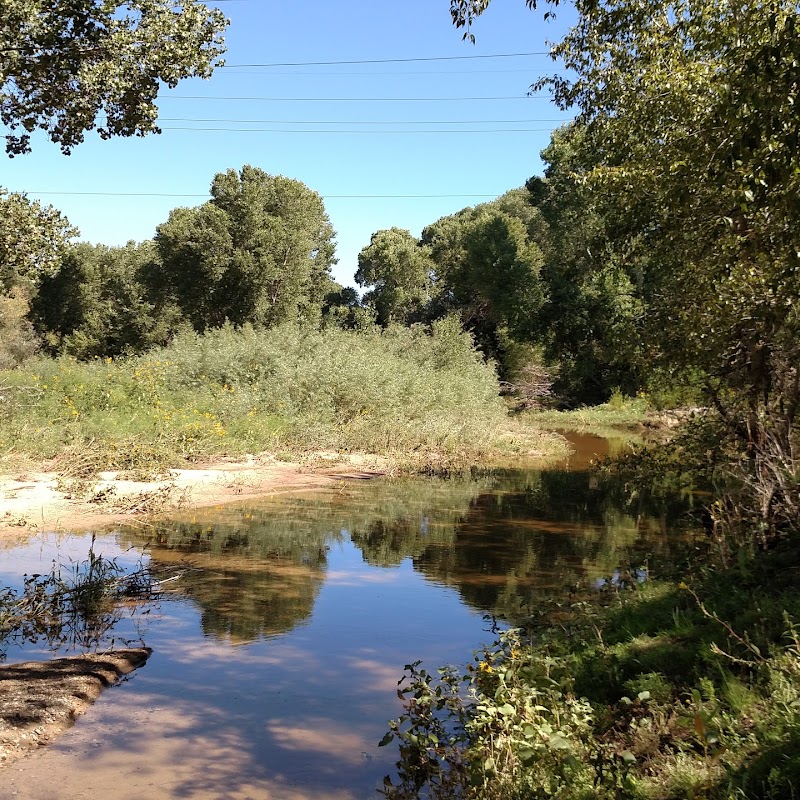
(345, 130)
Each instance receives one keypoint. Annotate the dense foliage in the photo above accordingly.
(98, 303)
(662, 693)
(64, 64)
(657, 256)
(672, 206)
(482, 264)
(33, 239)
(259, 251)
(423, 396)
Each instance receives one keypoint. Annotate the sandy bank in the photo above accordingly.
(43, 501)
(40, 699)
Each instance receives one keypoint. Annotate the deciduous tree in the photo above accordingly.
(692, 147)
(68, 66)
(97, 302)
(259, 251)
(399, 269)
(33, 239)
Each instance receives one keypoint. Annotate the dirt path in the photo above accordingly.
(43, 501)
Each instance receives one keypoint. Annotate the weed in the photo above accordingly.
(74, 605)
(288, 389)
(638, 694)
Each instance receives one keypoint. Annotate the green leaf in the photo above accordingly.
(558, 742)
(386, 739)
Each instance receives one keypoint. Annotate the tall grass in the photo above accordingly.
(230, 392)
(607, 419)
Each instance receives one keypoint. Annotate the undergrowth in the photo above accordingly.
(230, 392)
(74, 605)
(665, 691)
(607, 419)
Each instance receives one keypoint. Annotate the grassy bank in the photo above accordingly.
(608, 419)
(669, 690)
(404, 393)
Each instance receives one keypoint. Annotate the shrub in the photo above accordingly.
(18, 341)
(229, 392)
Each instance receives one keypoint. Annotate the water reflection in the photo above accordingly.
(277, 652)
(503, 540)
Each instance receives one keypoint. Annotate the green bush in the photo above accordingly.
(229, 392)
(664, 692)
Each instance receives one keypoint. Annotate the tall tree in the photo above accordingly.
(97, 302)
(64, 63)
(399, 269)
(692, 147)
(591, 323)
(487, 268)
(18, 340)
(33, 239)
(501, 276)
(259, 251)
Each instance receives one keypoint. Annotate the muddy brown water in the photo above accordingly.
(276, 654)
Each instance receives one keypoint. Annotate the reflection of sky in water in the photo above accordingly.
(300, 713)
(276, 660)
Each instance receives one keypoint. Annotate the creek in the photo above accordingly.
(276, 653)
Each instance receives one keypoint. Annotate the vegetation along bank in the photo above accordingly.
(656, 258)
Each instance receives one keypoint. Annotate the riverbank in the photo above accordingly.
(47, 501)
(42, 699)
(660, 690)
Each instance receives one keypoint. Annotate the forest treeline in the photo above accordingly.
(657, 254)
(516, 272)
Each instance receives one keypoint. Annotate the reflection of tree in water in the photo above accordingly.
(244, 600)
(533, 535)
(503, 540)
(252, 574)
(257, 570)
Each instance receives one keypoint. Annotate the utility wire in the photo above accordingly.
(406, 73)
(354, 99)
(361, 121)
(387, 60)
(355, 130)
(326, 196)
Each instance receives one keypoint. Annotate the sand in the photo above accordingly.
(41, 501)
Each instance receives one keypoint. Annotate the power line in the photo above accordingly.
(361, 121)
(206, 195)
(372, 73)
(355, 99)
(387, 60)
(352, 130)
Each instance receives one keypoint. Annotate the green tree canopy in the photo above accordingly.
(63, 64)
(502, 273)
(399, 269)
(487, 268)
(259, 251)
(33, 239)
(691, 148)
(591, 323)
(97, 302)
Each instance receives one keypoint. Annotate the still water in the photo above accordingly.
(276, 654)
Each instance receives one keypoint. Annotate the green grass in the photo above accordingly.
(422, 398)
(608, 419)
(689, 690)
